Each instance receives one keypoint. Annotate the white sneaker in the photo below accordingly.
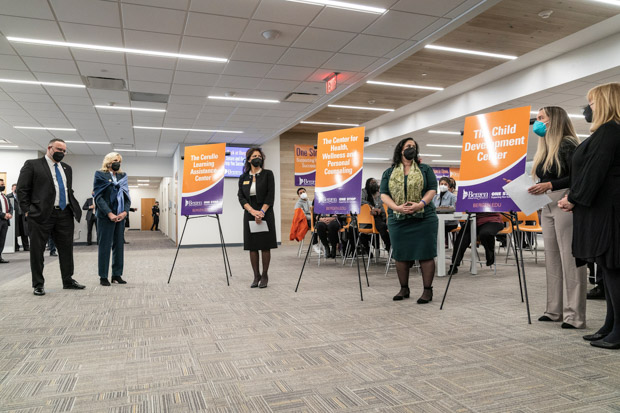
(316, 248)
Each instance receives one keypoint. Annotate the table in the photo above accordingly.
(441, 241)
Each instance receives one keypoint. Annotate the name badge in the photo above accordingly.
(246, 182)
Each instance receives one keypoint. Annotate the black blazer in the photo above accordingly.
(36, 192)
(89, 211)
(265, 188)
(16, 207)
(10, 211)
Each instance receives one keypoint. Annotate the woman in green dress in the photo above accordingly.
(408, 188)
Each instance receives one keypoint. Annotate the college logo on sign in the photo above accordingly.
(192, 203)
(475, 195)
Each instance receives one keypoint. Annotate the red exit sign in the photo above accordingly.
(331, 83)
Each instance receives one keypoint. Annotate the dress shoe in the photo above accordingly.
(39, 291)
(264, 279)
(566, 325)
(73, 285)
(402, 294)
(117, 279)
(605, 344)
(53, 254)
(26, 248)
(424, 300)
(544, 318)
(453, 269)
(104, 282)
(89, 243)
(597, 293)
(594, 337)
(3, 261)
(126, 242)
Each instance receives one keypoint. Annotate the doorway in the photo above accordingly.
(147, 217)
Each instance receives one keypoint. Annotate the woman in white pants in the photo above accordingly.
(566, 283)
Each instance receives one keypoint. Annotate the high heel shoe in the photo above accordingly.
(255, 282)
(118, 279)
(424, 301)
(402, 294)
(104, 281)
(263, 281)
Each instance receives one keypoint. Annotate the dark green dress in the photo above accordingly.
(413, 238)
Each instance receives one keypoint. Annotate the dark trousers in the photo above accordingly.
(110, 236)
(381, 227)
(486, 235)
(155, 223)
(4, 227)
(89, 226)
(51, 246)
(20, 228)
(611, 280)
(60, 227)
(328, 233)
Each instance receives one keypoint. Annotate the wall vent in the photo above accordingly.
(105, 83)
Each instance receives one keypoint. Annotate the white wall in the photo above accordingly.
(135, 218)
(12, 161)
(204, 230)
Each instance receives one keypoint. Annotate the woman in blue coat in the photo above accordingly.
(113, 203)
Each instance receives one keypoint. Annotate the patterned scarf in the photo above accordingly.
(415, 185)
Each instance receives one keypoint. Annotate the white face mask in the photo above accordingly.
(304, 196)
(443, 188)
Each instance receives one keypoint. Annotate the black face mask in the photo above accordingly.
(58, 156)
(2, 187)
(587, 113)
(115, 166)
(410, 153)
(257, 162)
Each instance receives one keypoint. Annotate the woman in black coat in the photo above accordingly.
(594, 199)
(256, 196)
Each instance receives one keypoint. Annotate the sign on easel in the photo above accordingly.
(494, 149)
(203, 179)
(305, 165)
(340, 155)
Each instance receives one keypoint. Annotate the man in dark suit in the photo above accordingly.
(155, 214)
(91, 219)
(45, 193)
(6, 213)
(21, 226)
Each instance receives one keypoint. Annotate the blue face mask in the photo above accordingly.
(540, 128)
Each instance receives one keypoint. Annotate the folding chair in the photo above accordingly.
(529, 228)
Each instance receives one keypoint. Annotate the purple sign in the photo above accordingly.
(343, 199)
(203, 179)
(208, 202)
(235, 160)
(440, 171)
(306, 179)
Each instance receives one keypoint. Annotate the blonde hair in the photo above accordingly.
(108, 159)
(606, 99)
(559, 128)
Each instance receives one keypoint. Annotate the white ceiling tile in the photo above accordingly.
(12, 63)
(371, 45)
(247, 69)
(319, 75)
(30, 97)
(80, 106)
(170, 4)
(97, 69)
(32, 28)
(87, 33)
(200, 67)
(14, 74)
(185, 100)
(322, 39)
(252, 52)
(217, 27)
(376, 65)
(289, 72)
(235, 8)
(43, 51)
(284, 11)
(118, 96)
(207, 47)
(149, 87)
(101, 13)
(182, 115)
(277, 85)
(153, 19)
(463, 7)
(60, 78)
(100, 57)
(399, 24)
(430, 29)
(304, 57)
(151, 61)
(148, 74)
(342, 61)
(37, 64)
(5, 47)
(238, 82)
(254, 30)
(194, 78)
(343, 20)
(37, 9)
(152, 41)
(432, 8)
(400, 49)
(190, 90)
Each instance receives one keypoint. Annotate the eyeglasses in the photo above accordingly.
(59, 150)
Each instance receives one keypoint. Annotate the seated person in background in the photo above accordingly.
(328, 228)
(488, 224)
(446, 200)
(303, 203)
(372, 197)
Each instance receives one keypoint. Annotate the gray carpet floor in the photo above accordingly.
(199, 345)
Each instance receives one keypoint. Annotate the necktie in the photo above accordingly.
(5, 204)
(62, 200)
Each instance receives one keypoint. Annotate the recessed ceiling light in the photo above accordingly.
(446, 160)
(467, 51)
(116, 49)
(374, 82)
(271, 34)
(328, 123)
(444, 132)
(90, 142)
(129, 108)
(444, 146)
(34, 82)
(143, 184)
(612, 2)
(8, 146)
(131, 150)
(143, 180)
(188, 129)
(429, 154)
(42, 128)
(581, 135)
(361, 108)
(570, 115)
(244, 99)
(375, 159)
(343, 5)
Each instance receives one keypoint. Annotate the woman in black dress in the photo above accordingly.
(594, 198)
(256, 195)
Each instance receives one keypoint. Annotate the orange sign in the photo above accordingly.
(203, 179)
(305, 165)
